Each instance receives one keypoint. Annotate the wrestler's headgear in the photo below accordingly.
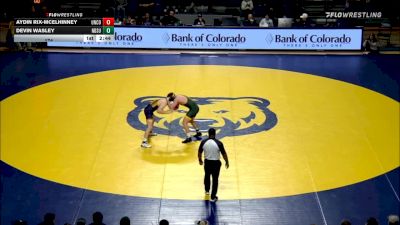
(171, 97)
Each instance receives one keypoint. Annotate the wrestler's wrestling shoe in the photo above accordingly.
(197, 136)
(145, 145)
(187, 140)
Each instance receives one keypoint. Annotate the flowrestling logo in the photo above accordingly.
(229, 116)
(354, 15)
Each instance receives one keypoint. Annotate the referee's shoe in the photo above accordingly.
(214, 199)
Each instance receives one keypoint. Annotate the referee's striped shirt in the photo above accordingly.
(212, 149)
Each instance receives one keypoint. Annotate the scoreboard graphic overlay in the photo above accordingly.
(64, 27)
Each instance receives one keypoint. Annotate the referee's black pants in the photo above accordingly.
(211, 167)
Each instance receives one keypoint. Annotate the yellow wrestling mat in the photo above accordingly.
(328, 133)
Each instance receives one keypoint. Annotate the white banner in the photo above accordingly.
(227, 38)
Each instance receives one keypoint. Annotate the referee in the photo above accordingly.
(212, 165)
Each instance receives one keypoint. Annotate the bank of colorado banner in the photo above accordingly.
(227, 38)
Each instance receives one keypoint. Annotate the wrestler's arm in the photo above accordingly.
(161, 108)
(173, 104)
